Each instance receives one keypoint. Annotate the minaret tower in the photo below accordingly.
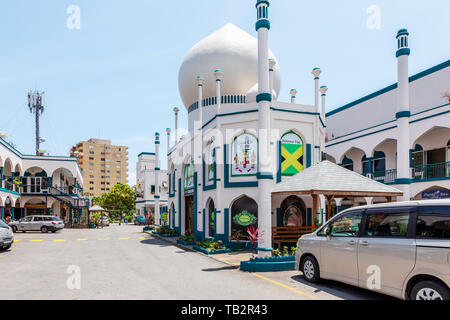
(403, 114)
(157, 169)
(264, 98)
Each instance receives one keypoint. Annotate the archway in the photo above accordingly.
(210, 207)
(35, 180)
(8, 175)
(64, 181)
(172, 215)
(293, 212)
(244, 213)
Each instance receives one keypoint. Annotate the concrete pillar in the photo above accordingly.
(264, 98)
(157, 169)
(338, 204)
(369, 200)
(272, 64)
(219, 214)
(403, 114)
(198, 155)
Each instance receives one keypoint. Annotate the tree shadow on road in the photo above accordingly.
(342, 290)
(221, 269)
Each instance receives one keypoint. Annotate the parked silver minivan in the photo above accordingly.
(37, 223)
(399, 249)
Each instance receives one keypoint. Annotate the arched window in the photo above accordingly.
(379, 164)
(347, 163)
(209, 163)
(189, 175)
(293, 212)
(244, 155)
(291, 154)
(244, 214)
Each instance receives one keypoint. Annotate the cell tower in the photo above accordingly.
(36, 105)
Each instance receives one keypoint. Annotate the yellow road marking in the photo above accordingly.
(59, 240)
(124, 238)
(82, 239)
(36, 240)
(17, 240)
(103, 239)
(284, 286)
(143, 238)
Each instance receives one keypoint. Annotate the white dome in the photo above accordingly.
(231, 50)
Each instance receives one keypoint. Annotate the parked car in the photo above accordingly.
(37, 223)
(399, 249)
(6, 236)
(141, 220)
(104, 221)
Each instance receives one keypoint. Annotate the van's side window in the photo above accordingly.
(347, 226)
(433, 223)
(385, 224)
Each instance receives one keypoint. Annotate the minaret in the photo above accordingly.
(157, 169)
(323, 91)
(200, 80)
(264, 98)
(403, 114)
(272, 64)
(218, 74)
(316, 72)
(168, 131)
(176, 110)
(293, 94)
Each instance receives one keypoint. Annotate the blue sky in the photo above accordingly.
(117, 77)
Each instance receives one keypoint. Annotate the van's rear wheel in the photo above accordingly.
(310, 269)
(44, 229)
(430, 290)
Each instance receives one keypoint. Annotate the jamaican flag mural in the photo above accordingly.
(291, 154)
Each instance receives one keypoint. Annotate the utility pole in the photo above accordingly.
(36, 105)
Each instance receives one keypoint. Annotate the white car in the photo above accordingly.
(6, 236)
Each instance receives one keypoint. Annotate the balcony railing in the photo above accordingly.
(387, 176)
(431, 171)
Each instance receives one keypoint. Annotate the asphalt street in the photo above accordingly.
(122, 262)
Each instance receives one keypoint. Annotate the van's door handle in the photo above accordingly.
(364, 243)
(352, 242)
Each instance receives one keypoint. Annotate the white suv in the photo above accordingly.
(399, 249)
(6, 236)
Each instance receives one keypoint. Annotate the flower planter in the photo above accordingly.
(269, 264)
(185, 243)
(208, 252)
(238, 246)
(148, 228)
(164, 235)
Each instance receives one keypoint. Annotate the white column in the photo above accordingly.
(264, 98)
(272, 64)
(323, 91)
(157, 169)
(176, 111)
(168, 131)
(316, 72)
(198, 154)
(219, 216)
(403, 114)
(293, 94)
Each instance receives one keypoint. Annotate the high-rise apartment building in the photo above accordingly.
(104, 165)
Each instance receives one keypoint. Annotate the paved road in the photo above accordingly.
(121, 262)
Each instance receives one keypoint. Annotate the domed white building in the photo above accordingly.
(221, 169)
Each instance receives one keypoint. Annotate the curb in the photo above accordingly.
(168, 241)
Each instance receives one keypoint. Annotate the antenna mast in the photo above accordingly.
(36, 105)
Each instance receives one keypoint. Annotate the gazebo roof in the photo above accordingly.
(96, 208)
(328, 178)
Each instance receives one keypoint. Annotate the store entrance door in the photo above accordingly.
(189, 216)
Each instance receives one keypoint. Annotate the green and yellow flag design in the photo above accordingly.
(291, 155)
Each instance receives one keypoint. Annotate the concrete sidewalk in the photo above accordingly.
(233, 258)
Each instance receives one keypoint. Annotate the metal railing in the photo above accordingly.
(431, 171)
(387, 176)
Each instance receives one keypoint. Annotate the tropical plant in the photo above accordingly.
(164, 218)
(276, 253)
(254, 235)
(293, 250)
(285, 251)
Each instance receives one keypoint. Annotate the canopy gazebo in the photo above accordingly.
(97, 209)
(332, 181)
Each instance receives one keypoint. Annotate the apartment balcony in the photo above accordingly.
(387, 177)
(435, 171)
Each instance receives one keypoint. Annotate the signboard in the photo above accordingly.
(292, 217)
(189, 176)
(291, 154)
(244, 152)
(244, 219)
(436, 194)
